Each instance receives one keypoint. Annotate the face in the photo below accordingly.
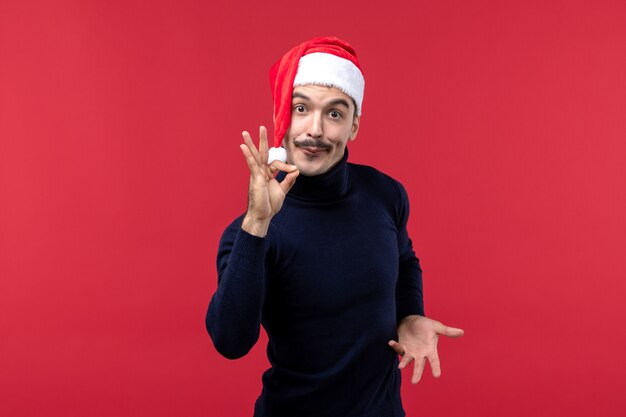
(322, 122)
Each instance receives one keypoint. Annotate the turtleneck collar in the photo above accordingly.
(330, 185)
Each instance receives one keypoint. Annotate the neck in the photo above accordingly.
(332, 184)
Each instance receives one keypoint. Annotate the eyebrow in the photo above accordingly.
(335, 102)
(300, 95)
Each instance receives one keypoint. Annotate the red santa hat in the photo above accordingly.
(325, 61)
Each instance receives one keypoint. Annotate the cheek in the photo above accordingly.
(292, 132)
(340, 136)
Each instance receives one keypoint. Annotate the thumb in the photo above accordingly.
(397, 347)
(289, 180)
(452, 332)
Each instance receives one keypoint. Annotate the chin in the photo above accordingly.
(311, 170)
(308, 167)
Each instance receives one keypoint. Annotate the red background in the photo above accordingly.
(119, 168)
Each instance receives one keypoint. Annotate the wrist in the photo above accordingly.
(411, 318)
(255, 227)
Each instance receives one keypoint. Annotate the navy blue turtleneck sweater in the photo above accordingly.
(329, 283)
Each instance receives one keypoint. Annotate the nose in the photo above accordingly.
(315, 129)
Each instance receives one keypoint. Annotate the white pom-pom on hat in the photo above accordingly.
(277, 154)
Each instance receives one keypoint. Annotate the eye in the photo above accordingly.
(299, 108)
(334, 114)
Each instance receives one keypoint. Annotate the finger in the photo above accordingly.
(406, 360)
(282, 166)
(435, 365)
(260, 156)
(252, 163)
(276, 166)
(397, 347)
(448, 331)
(247, 139)
(418, 369)
(263, 152)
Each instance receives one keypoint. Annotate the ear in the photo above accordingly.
(355, 127)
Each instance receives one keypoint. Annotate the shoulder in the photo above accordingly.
(382, 191)
(376, 181)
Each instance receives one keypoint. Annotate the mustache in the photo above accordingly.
(311, 143)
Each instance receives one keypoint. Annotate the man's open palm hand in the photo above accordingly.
(417, 341)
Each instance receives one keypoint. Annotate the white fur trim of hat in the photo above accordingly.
(332, 71)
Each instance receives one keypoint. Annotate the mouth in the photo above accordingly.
(311, 147)
(312, 150)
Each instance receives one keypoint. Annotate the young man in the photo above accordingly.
(322, 258)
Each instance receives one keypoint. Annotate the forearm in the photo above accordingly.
(234, 315)
(409, 294)
(409, 290)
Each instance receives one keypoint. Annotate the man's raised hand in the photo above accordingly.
(265, 194)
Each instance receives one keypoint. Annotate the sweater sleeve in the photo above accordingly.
(234, 315)
(409, 293)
